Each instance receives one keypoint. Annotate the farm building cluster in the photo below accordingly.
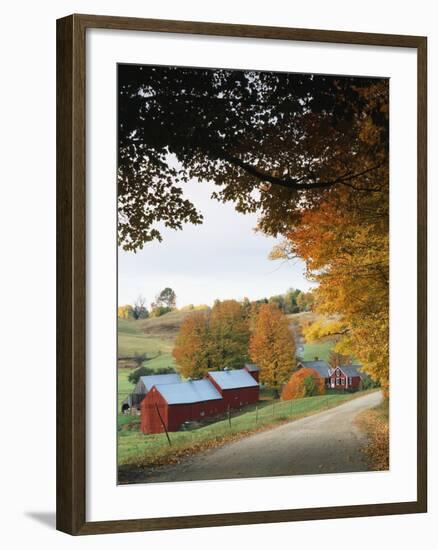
(167, 402)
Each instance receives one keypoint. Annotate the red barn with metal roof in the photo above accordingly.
(144, 385)
(170, 405)
(237, 387)
(253, 370)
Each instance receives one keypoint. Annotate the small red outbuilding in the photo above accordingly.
(253, 370)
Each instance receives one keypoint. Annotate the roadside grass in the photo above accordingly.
(375, 423)
(137, 449)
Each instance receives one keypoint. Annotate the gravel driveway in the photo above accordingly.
(326, 442)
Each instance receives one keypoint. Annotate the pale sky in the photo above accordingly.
(222, 258)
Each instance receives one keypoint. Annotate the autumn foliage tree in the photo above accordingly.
(228, 335)
(303, 383)
(272, 346)
(191, 351)
(343, 237)
(125, 312)
(264, 138)
(213, 340)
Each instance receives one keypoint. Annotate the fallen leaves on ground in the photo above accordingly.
(376, 427)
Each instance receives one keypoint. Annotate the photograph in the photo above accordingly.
(253, 274)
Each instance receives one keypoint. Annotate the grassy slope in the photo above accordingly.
(154, 337)
(124, 387)
(317, 349)
(138, 449)
(314, 349)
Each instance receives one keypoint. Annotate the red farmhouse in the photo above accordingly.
(174, 404)
(237, 387)
(346, 377)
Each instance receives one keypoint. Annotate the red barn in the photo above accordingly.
(174, 404)
(253, 370)
(346, 377)
(143, 386)
(237, 387)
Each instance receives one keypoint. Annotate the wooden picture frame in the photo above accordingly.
(71, 274)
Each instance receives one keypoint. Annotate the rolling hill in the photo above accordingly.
(155, 338)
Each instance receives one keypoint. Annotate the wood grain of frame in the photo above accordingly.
(71, 271)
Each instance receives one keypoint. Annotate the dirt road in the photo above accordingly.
(323, 443)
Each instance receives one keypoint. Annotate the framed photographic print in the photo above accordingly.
(241, 281)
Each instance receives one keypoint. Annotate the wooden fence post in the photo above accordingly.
(164, 425)
(257, 412)
(229, 415)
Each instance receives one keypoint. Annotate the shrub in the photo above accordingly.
(303, 383)
(135, 375)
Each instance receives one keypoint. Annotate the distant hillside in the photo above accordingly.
(153, 337)
(166, 326)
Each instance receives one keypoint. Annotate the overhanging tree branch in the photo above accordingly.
(296, 184)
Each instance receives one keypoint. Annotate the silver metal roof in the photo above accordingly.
(231, 379)
(351, 370)
(321, 367)
(251, 367)
(154, 379)
(193, 391)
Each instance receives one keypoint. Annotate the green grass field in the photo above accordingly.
(123, 386)
(153, 337)
(317, 349)
(136, 448)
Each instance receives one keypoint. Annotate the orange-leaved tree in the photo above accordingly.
(191, 351)
(228, 335)
(272, 346)
(213, 340)
(303, 383)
